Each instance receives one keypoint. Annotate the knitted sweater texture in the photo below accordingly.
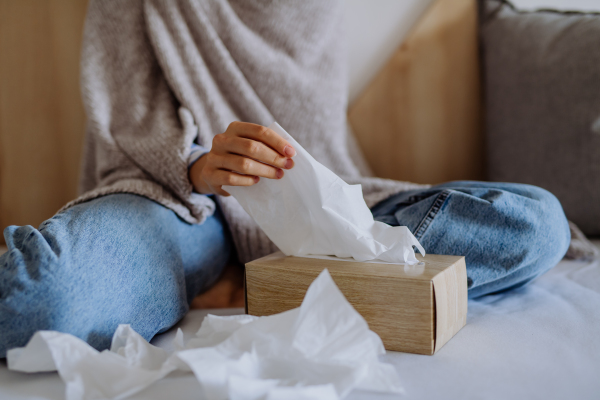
(160, 75)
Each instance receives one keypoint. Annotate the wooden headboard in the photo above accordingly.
(41, 115)
(419, 119)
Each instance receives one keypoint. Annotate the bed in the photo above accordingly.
(538, 342)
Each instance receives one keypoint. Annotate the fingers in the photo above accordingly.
(241, 155)
(257, 151)
(264, 135)
(247, 166)
(221, 177)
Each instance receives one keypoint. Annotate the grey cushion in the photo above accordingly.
(542, 93)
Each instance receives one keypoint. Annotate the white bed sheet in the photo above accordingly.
(538, 342)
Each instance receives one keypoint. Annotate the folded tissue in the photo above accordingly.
(312, 212)
(321, 350)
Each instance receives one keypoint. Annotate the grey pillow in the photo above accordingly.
(542, 94)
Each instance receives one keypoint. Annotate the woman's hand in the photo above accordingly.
(239, 157)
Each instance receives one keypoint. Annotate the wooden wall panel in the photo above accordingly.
(419, 119)
(41, 115)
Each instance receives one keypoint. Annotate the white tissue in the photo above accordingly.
(321, 350)
(131, 364)
(311, 211)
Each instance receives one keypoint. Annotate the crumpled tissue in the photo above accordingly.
(311, 211)
(321, 350)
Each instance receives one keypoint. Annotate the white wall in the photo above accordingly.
(375, 28)
(564, 5)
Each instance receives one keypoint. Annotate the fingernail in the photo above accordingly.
(256, 179)
(279, 173)
(289, 151)
(288, 163)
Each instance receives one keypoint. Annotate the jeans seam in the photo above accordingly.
(435, 208)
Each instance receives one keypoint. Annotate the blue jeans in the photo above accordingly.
(118, 259)
(125, 259)
(509, 233)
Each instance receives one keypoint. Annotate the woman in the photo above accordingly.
(165, 81)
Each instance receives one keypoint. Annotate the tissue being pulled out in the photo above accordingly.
(311, 211)
(321, 351)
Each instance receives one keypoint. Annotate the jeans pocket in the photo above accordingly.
(433, 210)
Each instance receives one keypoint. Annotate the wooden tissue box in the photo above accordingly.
(413, 308)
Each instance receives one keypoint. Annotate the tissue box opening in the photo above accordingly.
(413, 308)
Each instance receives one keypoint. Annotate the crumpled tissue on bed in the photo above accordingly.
(321, 350)
(311, 211)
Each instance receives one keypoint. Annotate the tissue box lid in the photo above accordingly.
(413, 308)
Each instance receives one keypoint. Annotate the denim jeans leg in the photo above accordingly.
(508, 233)
(118, 259)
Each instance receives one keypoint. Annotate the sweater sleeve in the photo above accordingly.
(136, 130)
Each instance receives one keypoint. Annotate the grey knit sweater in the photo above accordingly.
(159, 75)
